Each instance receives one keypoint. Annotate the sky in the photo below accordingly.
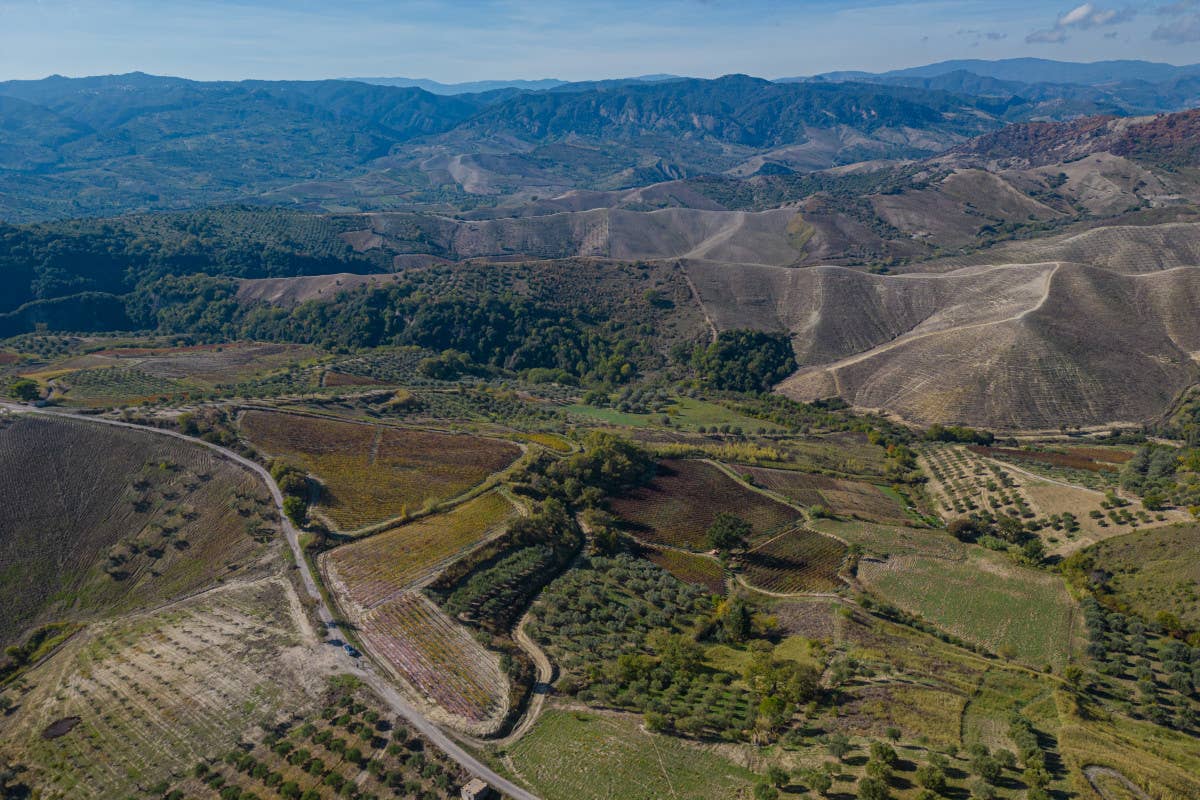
(473, 40)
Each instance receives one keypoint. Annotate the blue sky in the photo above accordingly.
(486, 39)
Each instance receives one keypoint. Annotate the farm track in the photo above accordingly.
(1093, 772)
(367, 674)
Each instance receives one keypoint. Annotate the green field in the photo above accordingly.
(685, 412)
(575, 755)
(985, 599)
(1153, 571)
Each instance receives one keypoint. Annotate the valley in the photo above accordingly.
(648, 438)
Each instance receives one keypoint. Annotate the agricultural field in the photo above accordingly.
(679, 505)
(438, 657)
(799, 560)
(1064, 515)
(100, 519)
(985, 599)
(589, 755)
(1152, 571)
(843, 498)
(373, 473)
(369, 571)
(131, 375)
(1096, 467)
(699, 570)
(131, 702)
(354, 747)
(682, 413)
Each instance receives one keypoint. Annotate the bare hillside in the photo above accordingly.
(1098, 347)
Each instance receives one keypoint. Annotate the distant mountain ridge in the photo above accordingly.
(1030, 70)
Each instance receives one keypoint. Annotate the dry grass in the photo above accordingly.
(372, 473)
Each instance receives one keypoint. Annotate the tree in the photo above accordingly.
(765, 791)
(819, 782)
(931, 778)
(295, 508)
(884, 753)
(777, 776)
(728, 532)
(745, 360)
(873, 789)
(838, 745)
(736, 620)
(24, 390)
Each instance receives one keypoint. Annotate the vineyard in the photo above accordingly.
(100, 519)
(841, 497)
(797, 561)
(372, 473)
(437, 656)
(153, 694)
(680, 504)
(693, 568)
(373, 569)
(353, 748)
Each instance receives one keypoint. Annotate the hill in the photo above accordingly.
(104, 520)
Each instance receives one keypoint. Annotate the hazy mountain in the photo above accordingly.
(1034, 70)
(468, 87)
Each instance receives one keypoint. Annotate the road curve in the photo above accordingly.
(379, 685)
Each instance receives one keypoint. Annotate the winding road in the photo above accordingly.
(364, 672)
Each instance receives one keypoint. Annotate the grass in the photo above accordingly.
(680, 504)
(800, 560)
(1152, 571)
(985, 599)
(101, 520)
(369, 570)
(576, 755)
(685, 412)
(372, 473)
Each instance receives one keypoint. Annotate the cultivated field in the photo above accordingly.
(151, 694)
(438, 657)
(372, 473)
(985, 599)
(354, 747)
(102, 519)
(680, 504)
(799, 560)
(371, 570)
(841, 497)
(586, 755)
(700, 570)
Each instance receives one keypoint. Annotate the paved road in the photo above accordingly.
(380, 685)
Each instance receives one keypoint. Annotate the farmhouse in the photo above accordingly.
(477, 789)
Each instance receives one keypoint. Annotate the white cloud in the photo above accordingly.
(1182, 30)
(1083, 17)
